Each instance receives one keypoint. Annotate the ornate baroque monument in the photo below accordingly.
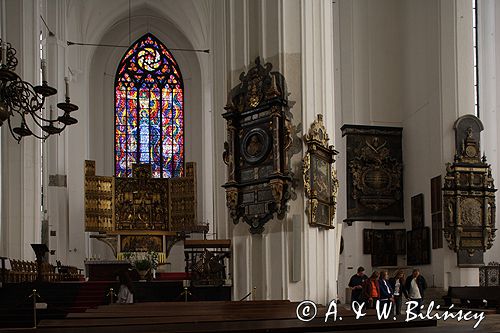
(257, 150)
(469, 196)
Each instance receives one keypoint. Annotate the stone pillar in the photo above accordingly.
(20, 188)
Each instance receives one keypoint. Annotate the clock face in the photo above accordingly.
(470, 151)
(255, 145)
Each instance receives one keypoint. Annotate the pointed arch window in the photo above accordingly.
(149, 105)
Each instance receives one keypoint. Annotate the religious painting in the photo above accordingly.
(141, 243)
(384, 248)
(320, 177)
(374, 173)
(367, 241)
(320, 181)
(384, 245)
(418, 247)
(437, 231)
(400, 241)
(417, 211)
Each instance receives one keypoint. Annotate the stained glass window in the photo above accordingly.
(149, 104)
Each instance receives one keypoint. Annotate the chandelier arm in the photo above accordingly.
(41, 125)
(34, 114)
(23, 97)
(33, 133)
(17, 138)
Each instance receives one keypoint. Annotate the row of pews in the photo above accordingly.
(21, 271)
(214, 316)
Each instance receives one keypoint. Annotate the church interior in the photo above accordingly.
(244, 156)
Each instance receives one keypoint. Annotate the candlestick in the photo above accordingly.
(66, 80)
(44, 70)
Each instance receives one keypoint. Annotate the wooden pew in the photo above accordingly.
(474, 297)
(251, 317)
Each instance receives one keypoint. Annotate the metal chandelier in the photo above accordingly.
(21, 98)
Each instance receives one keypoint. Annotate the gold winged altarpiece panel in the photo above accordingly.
(141, 213)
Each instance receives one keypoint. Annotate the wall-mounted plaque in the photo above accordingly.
(417, 211)
(418, 245)
(384, 245)
(436, 213)
(367, 241)
(258, 147)
(374, 173)
(469, 195)
(320, 179)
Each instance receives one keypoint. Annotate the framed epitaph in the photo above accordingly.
(469, 196)
(374, 173)
(418, 247)
(257, 151)
(320, 179)
(417, 211)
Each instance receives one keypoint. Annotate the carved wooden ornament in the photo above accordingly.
(320, 178)
(469, 193)
(257, 150)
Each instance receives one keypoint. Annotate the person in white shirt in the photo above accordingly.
(126, 293)
(398, 286)
(416, 285)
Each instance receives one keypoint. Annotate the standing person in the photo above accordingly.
(356, 284)
(398, 286)
(386, 291)
(126, 293)
(371, 289)
(416, 285)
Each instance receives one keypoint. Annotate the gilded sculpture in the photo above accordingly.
(320, 178)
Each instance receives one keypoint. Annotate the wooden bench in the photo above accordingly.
(248, 317)
(474, 297)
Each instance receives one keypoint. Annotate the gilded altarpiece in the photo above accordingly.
(99, 198)
(469, 196)
(320, 178)
(140, 212)
(257, 150)
(374, 173)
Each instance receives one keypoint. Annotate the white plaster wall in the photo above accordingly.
(489, 50)
(408, 64)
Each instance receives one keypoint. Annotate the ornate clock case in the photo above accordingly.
(256, 152)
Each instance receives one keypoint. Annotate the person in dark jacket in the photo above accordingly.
(356, 284)
(371, 290)
(415, 286)
(386, 291)
(397, 284)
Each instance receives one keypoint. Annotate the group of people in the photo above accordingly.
(380, 287)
